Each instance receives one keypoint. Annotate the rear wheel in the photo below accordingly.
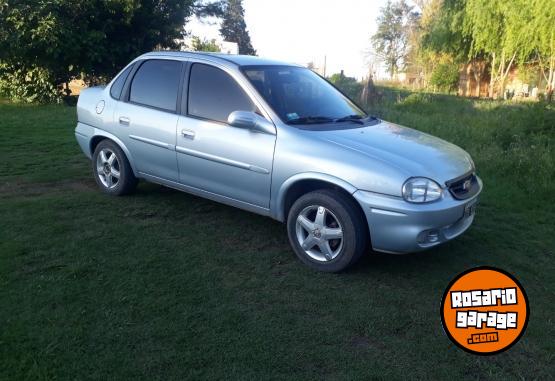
(327, 230)
(112, 170)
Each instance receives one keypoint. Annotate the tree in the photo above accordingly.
(445, 76)
(65, 39)
(444, 42)
(442, 22)
(204, 45)
(234, 28)
(391, 40)
(368, 93)
(543, 41)
(506, 33)
(348, 85)
(492, 35)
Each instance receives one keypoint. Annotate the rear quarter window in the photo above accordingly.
(117, 86)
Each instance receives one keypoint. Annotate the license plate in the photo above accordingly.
(470, 208)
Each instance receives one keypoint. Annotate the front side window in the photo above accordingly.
(156, 84)
(299, 96)
(117, 86)
(214, 94)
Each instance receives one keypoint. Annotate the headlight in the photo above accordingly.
(421, 189)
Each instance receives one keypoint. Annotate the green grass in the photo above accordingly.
(164, 285)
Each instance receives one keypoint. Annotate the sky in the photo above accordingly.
(302, 31)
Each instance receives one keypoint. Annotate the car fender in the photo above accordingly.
(101, 133)
(278, 202)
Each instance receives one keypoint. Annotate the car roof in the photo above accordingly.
(237, 59)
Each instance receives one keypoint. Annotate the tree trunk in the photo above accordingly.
(492, 77)
(499, 75)
(550, 80)
(505, 74)
(368, 94)
(502, 84)
(550, 85)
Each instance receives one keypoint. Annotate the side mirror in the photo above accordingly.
(250, 121)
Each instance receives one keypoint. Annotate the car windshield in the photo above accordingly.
(301, 97)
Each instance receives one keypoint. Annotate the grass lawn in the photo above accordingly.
(164, 285)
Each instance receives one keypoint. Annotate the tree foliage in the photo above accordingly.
(443, 29)
(391, 40)
(500, 33)
(32, 84)
(444, 46)
(543, 41)
(234, 28)
(348, 85)
(445, 76)
(204, 45)
(65, 39)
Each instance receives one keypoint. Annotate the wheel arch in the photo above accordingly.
(100, 135)
(302, 183)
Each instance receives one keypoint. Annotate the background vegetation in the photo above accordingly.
(164, 285)
(234, 27)
(46, 44)
(348, 85)
(492, 36)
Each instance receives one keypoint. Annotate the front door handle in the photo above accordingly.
(124, 120)
(188, 134)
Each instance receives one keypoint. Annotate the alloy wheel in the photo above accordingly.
(108, 168)
(319, 233)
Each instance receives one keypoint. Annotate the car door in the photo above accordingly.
(213, 156)
(149, 115)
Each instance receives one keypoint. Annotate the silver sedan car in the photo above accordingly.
(278, 140)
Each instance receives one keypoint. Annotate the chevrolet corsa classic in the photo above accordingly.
(278, 140)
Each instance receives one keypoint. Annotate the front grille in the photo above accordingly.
(463, 187)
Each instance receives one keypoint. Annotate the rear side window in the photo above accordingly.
(214, 94)
(156, 84)
(117, 86)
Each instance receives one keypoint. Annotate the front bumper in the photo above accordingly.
(399, 227)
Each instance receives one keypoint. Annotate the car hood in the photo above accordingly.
(412, 152)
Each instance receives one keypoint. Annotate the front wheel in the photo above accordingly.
(327, 230)
(111, 169)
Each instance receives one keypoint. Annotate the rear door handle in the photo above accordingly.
(189, 134)
(124, 120)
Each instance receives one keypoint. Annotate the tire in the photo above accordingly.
(108, 163)
(341, 217)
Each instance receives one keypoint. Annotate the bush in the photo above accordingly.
(347, 85)
(445, 77)
(417, 99)
(34, 85)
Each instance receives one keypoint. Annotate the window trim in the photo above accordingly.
(130, 66)
(126, 93)
(245, 91)
(184, 90)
